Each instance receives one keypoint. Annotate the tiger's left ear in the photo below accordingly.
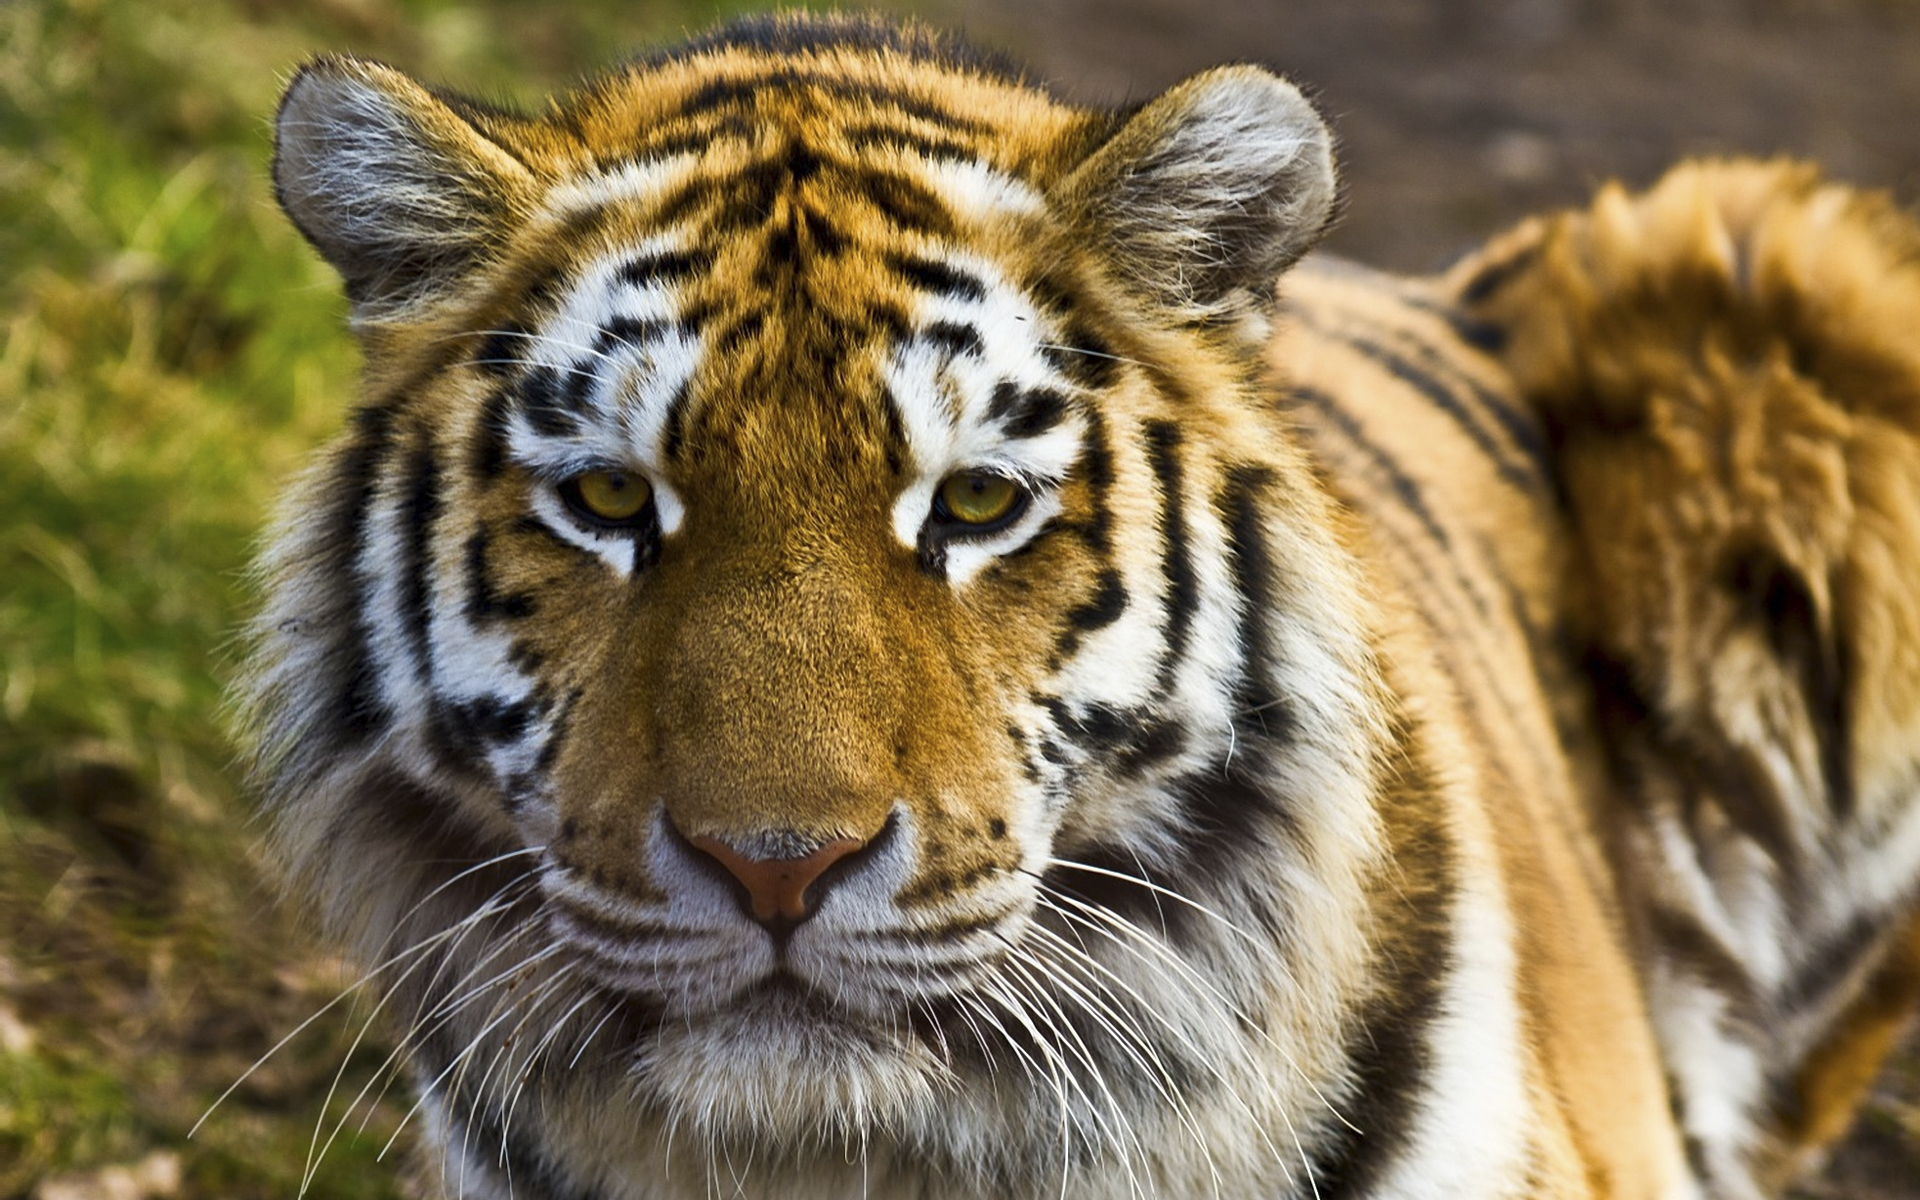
(1209, 192)
(405, 192)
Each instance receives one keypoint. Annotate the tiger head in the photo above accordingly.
(814, 626)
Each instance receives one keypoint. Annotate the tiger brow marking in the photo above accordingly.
(745, 89)
(939, 278)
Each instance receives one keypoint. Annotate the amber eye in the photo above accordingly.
(607, 497)
(980, 500)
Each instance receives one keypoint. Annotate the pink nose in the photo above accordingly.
(776, 887)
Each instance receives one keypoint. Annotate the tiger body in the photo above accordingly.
(856, 647)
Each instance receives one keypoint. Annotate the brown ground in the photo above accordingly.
(1457, 117)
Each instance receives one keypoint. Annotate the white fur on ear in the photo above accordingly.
(395, 188)
(1209, 192)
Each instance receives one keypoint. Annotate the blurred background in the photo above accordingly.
(170, 352)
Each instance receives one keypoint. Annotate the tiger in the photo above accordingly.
(875, 632)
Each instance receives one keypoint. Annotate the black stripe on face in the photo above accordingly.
(897, 448)
(954, 338)
(543, 400)
(359, 712)
(665, 266)
(1098, 611)
(674, 437)
(866, 138)
(483, 603)
(627, 333)
(500, 352)
(746, 89)
(1125, 742)
(419, 511)
(1096, 465)
(1183, 591)
(1029, 412)
(906, 204)
(489, 450)
(938, 278)
(1257, 707)
(1084, 357)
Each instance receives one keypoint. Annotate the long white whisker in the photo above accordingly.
(1134, 1041)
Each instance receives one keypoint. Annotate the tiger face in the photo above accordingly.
(813, 637)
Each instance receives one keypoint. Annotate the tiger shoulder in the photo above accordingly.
(877, 633)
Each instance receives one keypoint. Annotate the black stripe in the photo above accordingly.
(1778, 599)
(897, 447)
(1084, 357)
(1096, 467)
(674, 437)
(543, 401)
(1229, 818)
(459, 731)
(1027, 413)
(419, 511)
(1514, 418)
(627, 333)
(744, 89)
(941, 279)
(1697, 952)
(358, 711)
(1491, 277)
(665, 266)
(737, 333)
(483, 603)
(1256, 706)
(954, 338)
(489, 451)
(904, 202)
(867, 138)
(825, 236)
(500, 351)
(1528, 477)
(1404, 487)
(1183, 592)
(1098, 611)
(1389, 1052)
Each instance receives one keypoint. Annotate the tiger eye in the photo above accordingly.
(979, 498)
(612, 497)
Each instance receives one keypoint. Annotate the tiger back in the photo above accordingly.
(855, 645)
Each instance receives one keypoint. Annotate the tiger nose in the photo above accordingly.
(777, 889)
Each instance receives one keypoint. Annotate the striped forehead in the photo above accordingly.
(961, 366)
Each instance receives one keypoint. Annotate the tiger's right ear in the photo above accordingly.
(395, 187)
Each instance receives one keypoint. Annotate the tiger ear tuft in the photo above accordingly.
(1210, 191)
(392, 185)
